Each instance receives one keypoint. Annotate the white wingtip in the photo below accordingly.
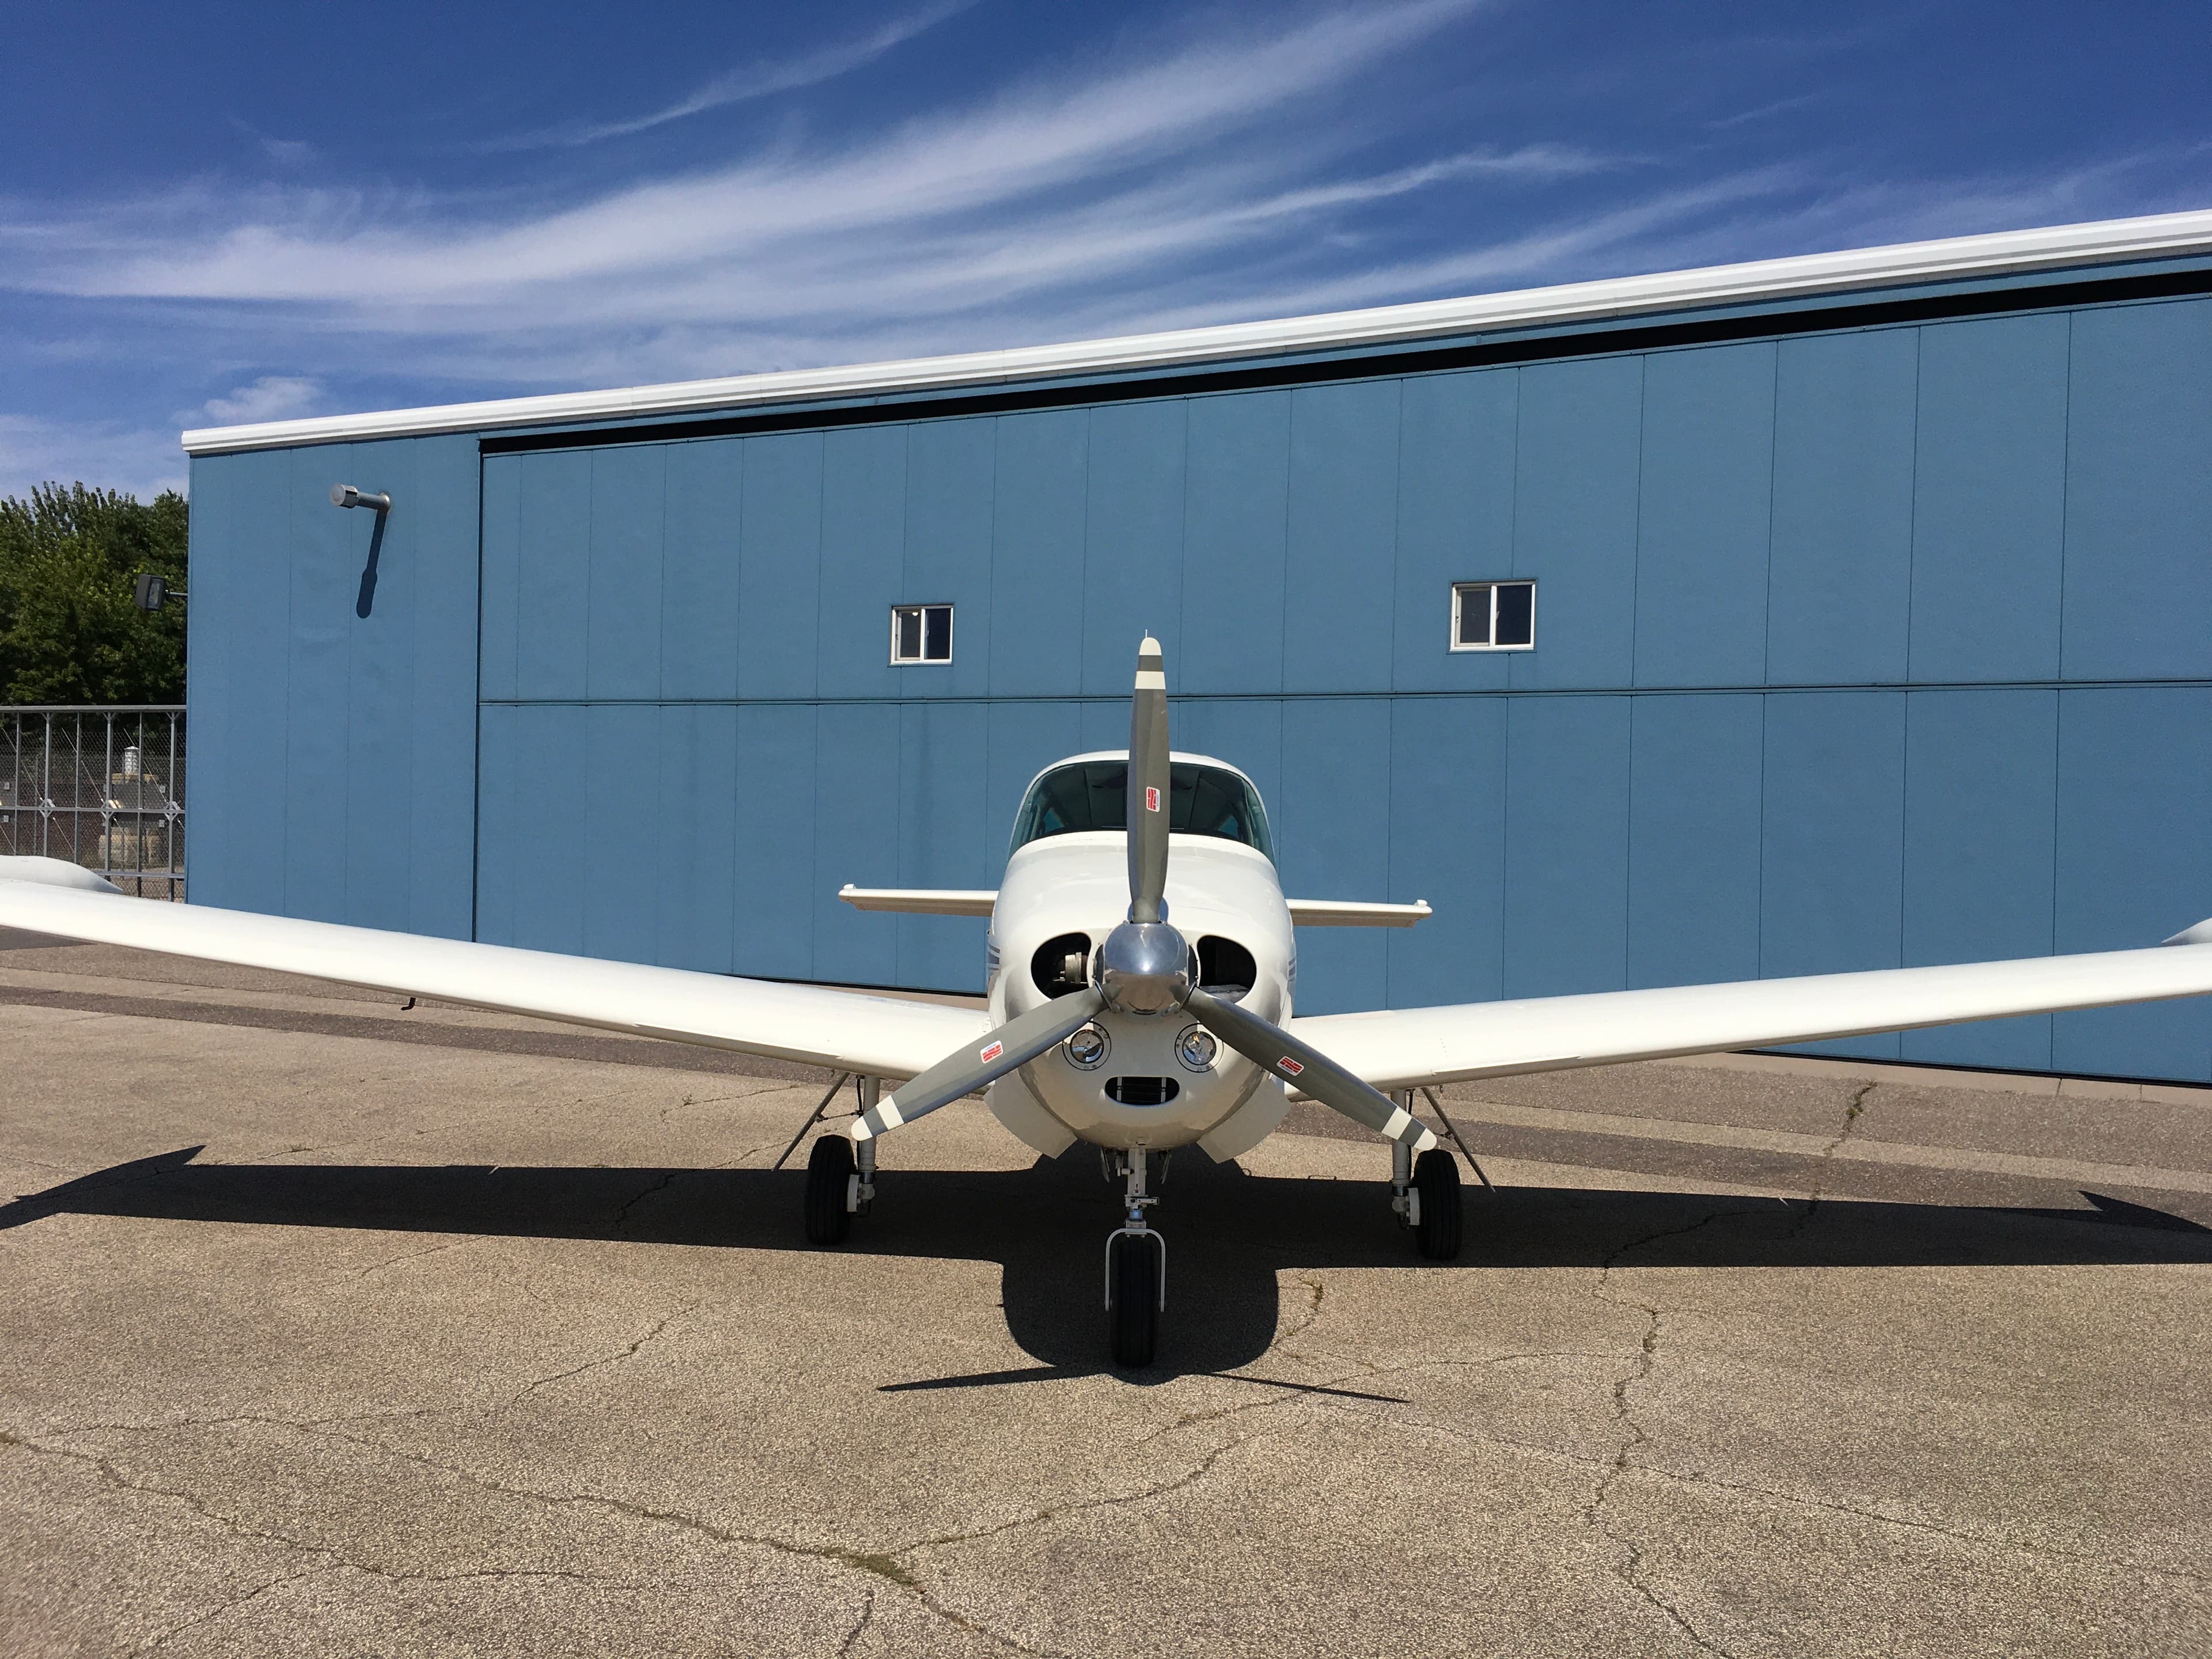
(2200, 934)
(53, 873)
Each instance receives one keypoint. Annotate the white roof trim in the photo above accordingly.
(2160, 236)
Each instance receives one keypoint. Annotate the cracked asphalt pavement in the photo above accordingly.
(333, 1328)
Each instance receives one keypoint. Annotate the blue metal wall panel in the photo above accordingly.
(1693, 839)
(2139, 494)
(1447, 830)
(1332, 823)
(329, 546)
(1988, 499)
(950, 478)
(1981, 783)
(1843, 509)
(1831, 873)
(499, 830)
(1235, 542)
(622, 646)
(700, 515)
(773, 847)
(942, 841)
(692, 834)
(1132, 566)
(856, 840)
(780, 567)
(1708, 470)
(1566, 840)
(2135, 864)
(500, 580)
(1337, 601)
(1454, 520)
(617, 795)
(1037, 552)
(1575, 497)
(547, 820)
(376, 756)
(440, 829)
(863, 560)
(1246, 731)
(241, 619)
(552, 610)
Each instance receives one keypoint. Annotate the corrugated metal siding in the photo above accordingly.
(1828, 631)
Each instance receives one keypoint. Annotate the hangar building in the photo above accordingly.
(1824, 613)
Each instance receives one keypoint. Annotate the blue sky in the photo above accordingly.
(240, 212)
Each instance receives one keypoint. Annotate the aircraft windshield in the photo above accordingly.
(1202, 800)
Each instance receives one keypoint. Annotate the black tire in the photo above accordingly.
(1435, 1177)
(1136, 1313)
(829, 1169)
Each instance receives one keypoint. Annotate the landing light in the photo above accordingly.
(1086, 1049)
(1196, 1049)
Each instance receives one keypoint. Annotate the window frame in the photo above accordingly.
(921, 613)
(1459, 591)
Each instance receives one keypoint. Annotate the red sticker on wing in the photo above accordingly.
(1152, 800)
(992, 1053)
(1287, 1064)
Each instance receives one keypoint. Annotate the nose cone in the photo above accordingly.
(1144, 968)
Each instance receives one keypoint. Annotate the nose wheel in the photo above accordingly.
(1136, 1270)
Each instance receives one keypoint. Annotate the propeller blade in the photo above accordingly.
(1015, 1043)
(1306, 1068)
(1147, 815)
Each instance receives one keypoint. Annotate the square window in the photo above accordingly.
(1493, 616)
(921, 633)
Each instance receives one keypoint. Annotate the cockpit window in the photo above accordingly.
(1202, 800)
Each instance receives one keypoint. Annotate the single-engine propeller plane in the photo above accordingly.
(1171, 1026)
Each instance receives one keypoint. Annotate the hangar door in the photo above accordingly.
(690, 733)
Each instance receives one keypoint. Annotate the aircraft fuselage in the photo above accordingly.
(1059, 898)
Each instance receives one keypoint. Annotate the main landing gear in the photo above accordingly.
(839, 1186)
(1136, 1267)
(1424, 1194)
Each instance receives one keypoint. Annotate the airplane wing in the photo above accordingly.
(815, 1025)
(1410, 1047)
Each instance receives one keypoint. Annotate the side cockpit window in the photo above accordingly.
(1202, 800)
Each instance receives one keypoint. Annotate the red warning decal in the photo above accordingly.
(1287, 1064)
(992, 1053)
(1152, 800)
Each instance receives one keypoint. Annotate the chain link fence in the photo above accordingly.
(102, 787)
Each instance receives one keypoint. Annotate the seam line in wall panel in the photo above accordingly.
(1904, 714)
(1301, 696)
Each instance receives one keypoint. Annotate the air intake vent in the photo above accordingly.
(1142, 1090)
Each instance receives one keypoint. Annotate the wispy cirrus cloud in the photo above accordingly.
(748, 83)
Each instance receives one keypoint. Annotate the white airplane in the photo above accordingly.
(1139, 1036)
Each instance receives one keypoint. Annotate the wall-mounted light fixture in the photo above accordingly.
(149, 592)
(347, 495)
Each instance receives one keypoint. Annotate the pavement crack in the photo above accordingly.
(628, 1351)
(1629, 1568)
(1851, 1113)
(162, 1639)
(860, 1626)
(622, 1215)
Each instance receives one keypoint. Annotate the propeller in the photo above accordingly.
(1144, 968)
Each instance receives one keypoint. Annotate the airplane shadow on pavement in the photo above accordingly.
(1230, 1234)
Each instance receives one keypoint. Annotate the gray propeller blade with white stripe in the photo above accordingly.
(1015, 1043)
(1306, 1068)
(1147, 815)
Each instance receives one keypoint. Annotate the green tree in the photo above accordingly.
(69, 630)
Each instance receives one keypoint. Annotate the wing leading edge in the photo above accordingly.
(815, 1025)
(1406, 1048)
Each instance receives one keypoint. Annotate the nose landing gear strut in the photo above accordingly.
(1136, 1268)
